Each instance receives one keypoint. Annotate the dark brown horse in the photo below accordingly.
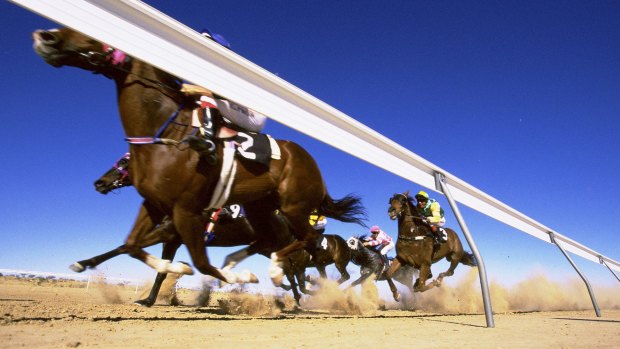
(415, 244)
(177, 182)
(332, 249)
(371, 263)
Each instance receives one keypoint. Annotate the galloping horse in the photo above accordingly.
(371, 263)
(230, 230)
(415, 245)
(179, 183)
(332, 249)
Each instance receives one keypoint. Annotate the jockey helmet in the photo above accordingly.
(375, 229)
(421, 196)
(215, 37)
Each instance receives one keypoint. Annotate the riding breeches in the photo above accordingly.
(386, 248)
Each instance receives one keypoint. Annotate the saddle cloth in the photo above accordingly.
(267, 148)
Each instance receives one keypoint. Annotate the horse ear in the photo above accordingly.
(392, 198)
(406, 193)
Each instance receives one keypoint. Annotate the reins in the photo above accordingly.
(118, 60)
(157, 138)
(418, 232)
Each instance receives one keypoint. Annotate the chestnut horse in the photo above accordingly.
(177, 182)
(415, 244)
(231, 229)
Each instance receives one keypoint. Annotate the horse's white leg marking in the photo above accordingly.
(239, 278)
(275, 270)
(77, 267)
(164, 266)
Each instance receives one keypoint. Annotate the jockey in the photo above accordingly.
(434, 214)
(235, 116)
(381, 241)
(317, 221)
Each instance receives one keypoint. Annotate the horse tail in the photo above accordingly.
(349, 209)
(469, 259)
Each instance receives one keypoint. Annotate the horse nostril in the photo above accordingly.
(98, 183)
(48, 37)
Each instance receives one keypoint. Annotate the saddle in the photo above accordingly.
(258, 147)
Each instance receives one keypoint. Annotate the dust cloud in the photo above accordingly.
(331, 298)
(462, 296)
(108, 291)
(537, 293)
(327, 298)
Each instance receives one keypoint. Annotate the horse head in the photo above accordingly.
(400, 204)
(64, 46)
(116, 177)
(353, 243)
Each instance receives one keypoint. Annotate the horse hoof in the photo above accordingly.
(77, 267)
(397, 297)
(143, 303)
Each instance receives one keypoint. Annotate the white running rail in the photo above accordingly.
(150, 35)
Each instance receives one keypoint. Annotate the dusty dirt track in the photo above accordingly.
(61, 314)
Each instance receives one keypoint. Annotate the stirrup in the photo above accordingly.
(204, 147)
(199, 144)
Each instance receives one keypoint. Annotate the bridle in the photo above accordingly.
(122, 167)
(112, 59)
(408, 217)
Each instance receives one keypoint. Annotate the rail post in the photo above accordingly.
(600, 258)
(440, 183)
(592, 297)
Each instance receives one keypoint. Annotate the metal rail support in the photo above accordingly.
(440, 183)
(605, 264)
(596, 309)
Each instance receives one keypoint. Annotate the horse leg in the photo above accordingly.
(420, 284)
(163, 233)
(90, 263)
(361, 279)
(306, 239)
(342, 269)
(290, 276)
(321, 269)
(300, 274)
(393, 268)
(236, 257)
(169, 251)
(190, 225)
(395, 293)
(148, 217)
(454, 262)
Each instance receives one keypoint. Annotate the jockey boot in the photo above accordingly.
(203, 146)
(440, 234)
(386, 263)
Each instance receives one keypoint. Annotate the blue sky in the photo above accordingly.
(518, 98)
